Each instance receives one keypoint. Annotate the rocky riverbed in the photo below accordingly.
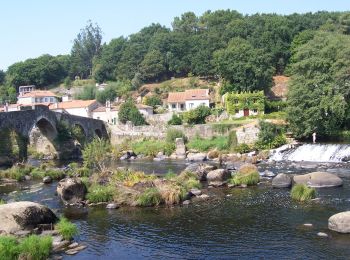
(214, 219)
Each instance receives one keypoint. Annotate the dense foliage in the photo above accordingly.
(196, 116)
(270, 136)
(319, 92)
(129, 112)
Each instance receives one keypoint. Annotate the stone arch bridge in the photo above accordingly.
(40, 121)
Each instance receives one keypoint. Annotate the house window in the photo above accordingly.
(255, 110)
(182, 106)
(191, 105)
(46, 100)
(254, 100)
(236, 101)
(173, 106)
(236, 111)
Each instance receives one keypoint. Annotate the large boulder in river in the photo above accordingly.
(218, 177)
(318, 180)
(71, 190)
(200, 169)
(340, 222)
(24, 215)
(196, 157)
(282, 180)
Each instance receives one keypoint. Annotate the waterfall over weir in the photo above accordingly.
(313, 153)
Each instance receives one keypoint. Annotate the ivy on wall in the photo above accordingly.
(245, 100)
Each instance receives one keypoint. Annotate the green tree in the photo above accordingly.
(153, 66)
(109, 93)
(129, 112)
(318, 97)
(153, 101)
(87, 93)
(41, 71)
(85, 48)
(246, 68)
(106, 63)
(197, 115)
(2, 77)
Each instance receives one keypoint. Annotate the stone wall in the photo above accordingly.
(121, 132)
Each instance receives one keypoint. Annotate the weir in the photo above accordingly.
(313, 153)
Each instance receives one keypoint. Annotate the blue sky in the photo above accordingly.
(30, 28)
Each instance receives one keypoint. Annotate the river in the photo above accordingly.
(258, 222)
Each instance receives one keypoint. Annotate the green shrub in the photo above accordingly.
(175, 120)
(129, 112)
(152, 147)
(96, 153)
(172, 134)
(270, 136)
(197, 115)
(8, 248)
(204, 145)
(99, 193)
(274, 106)
(301, 192)
(2, 202)
(35, 247)
(153, 101)
(66, 228)
(150, 197)
(232, 141)
(242, 148)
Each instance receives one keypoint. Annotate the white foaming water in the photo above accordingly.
(313, 153)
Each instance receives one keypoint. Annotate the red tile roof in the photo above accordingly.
(39, 93)
(73, 104)
(189, 94)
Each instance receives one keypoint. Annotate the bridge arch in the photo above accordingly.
(42, 137)
(98, 133)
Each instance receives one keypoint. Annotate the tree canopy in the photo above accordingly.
(319, 90)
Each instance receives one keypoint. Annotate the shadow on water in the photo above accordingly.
(258, 222)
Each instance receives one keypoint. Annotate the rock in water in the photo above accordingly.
(112, 206)
(196, 157)
(319, 180)
(200, 169)
(47, 179)
(340, 222)
(24, 215)
(282, 180)
(71, 190)
(322, 234)
(218, 177)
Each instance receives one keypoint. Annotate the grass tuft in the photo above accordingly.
(98, 193)
(247, 174)
(35, 247)
(301, 192)
(150, 197)
(66, 228)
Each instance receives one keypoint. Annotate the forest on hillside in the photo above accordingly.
(243, 51)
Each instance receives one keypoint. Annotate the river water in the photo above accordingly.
(258, 222)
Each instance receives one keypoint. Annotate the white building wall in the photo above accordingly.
(146, 111)
(192, 104)
(26, 100)
(80, 111)
(108, 117)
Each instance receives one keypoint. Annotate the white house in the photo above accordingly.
(37, 97)
(189, 99)
(109, 113)
(106, 113)
(82, 108)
